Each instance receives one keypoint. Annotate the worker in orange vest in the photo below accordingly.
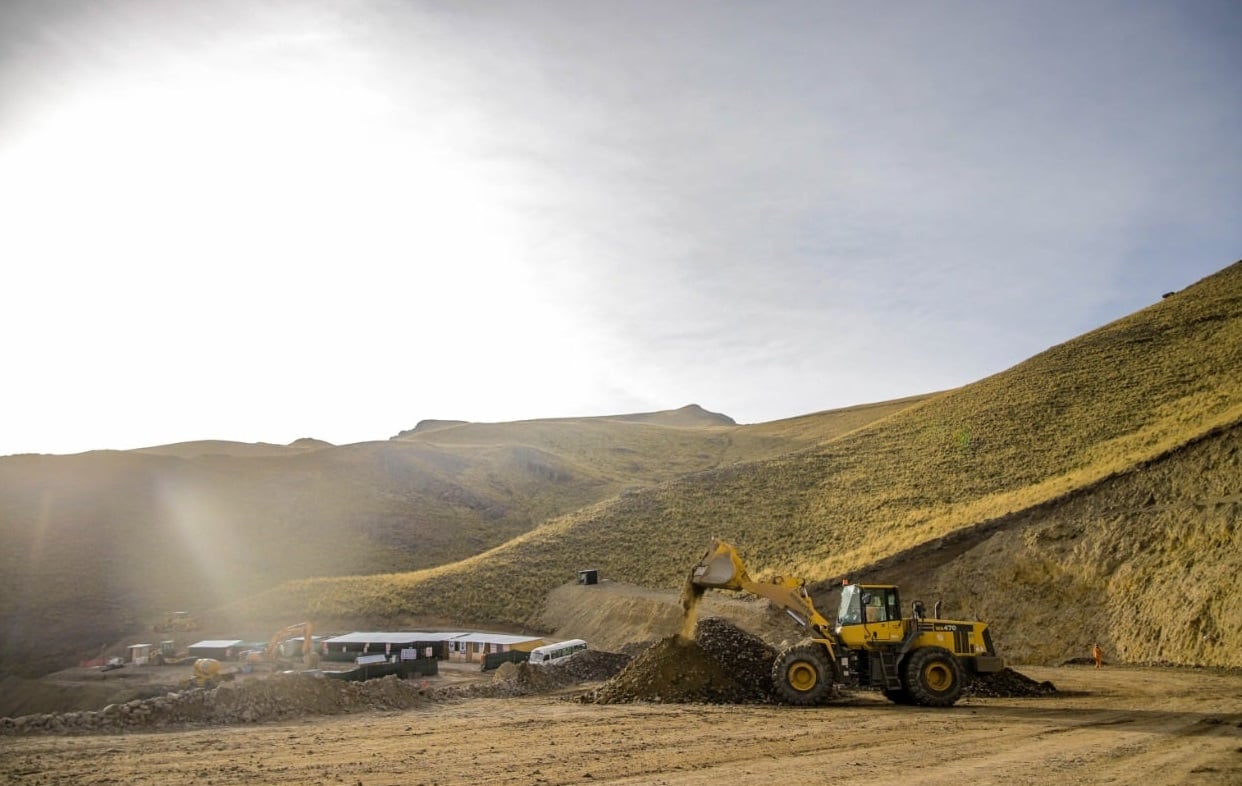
(1097, 655)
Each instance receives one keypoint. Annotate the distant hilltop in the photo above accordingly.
(423, 426)
(691, 415)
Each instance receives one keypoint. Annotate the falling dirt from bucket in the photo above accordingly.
(691, 594)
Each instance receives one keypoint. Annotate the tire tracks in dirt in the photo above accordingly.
(1157, 726)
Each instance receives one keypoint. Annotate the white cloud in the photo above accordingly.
(260, 222)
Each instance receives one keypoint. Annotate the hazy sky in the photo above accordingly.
(261, 221)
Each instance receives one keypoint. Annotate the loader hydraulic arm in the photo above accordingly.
(722, 568)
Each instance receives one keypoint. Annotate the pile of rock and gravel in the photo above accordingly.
(1006, 684)
(748, 658)
(250, 701)
(722, 665)
(588, 666)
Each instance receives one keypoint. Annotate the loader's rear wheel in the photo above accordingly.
(801, 675)
(933, 677)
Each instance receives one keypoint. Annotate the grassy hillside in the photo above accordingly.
(97, 545)
(1146, 562)
(1080, 414)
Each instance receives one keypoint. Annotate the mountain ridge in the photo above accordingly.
(478, 522)
(1073, 416)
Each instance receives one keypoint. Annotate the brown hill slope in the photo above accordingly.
(1145, 562)
(101, 543)
(1067, 419)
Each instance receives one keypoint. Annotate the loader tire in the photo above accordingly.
(933, 677)
(801, 675)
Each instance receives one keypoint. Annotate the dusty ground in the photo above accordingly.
(1117, 725)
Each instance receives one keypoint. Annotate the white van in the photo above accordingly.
(553, 653)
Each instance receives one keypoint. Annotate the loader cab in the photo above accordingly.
(863, 604)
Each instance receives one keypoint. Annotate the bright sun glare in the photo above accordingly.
(222, 168)
(199, 209)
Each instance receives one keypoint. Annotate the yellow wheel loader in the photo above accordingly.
(913, 659)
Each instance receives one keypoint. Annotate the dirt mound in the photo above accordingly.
(635, 648)
(1006, 683)
(723, 665)
(748, 658)
(674, 670)
(251, 701)
(525, 678)
(588, 666)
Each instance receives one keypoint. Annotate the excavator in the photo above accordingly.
(306, 630)
(914, 660)
(208, 672)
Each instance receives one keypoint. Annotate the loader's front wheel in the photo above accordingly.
(933, 677)
(801, 675)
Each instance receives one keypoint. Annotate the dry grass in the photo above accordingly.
(476, 523)
(100, 544)
(1066, 419)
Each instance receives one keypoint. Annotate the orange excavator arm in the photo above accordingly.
(305, 628)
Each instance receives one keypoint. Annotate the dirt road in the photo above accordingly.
(1117, 725)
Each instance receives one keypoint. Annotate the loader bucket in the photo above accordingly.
(720, 567)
